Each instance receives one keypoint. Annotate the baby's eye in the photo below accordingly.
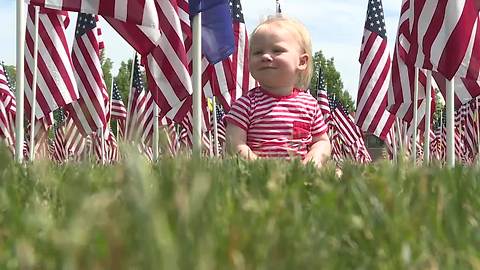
(257, 52)
(278, 50)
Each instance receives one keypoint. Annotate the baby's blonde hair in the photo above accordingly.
(303, 38)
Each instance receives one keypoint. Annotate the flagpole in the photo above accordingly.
(478, 128)
(130, 96)
(110, 109)
(197, 83)
(20, 80)
(428, 111)
(394, 145)
(34, 86)
(156, 134)
(102, 138)
(215, 127)
(441, 137)
(399, 138)
(415, 115)
(450, 125)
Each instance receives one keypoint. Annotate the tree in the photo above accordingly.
(333, 80)
(12, 73)
(106, 69)
(123, 79)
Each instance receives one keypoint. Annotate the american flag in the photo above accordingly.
(164, 55)
(119, 112)
(136, 101)
(118, 108)
(59, 150)
(231, 78)
(344, 123)
(172, 136)
(141, 12)
(75, 142)
(5, 131)
(56, 85)
(41, 129)
(220, 124)
(90, 111)
(349, 135)
(375, 63)
(7, 97)
(401, 90)
(7, 108)
(446, 37)
(112, 150)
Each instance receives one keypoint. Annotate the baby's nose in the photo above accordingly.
(267, 57)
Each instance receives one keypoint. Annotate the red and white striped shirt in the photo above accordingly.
(278, 126)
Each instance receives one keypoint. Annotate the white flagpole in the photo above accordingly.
(394, 144)
(450, 125)
(197, 83)
(20, 80)
(110, 120)
(156, 134)
(415, 116)
(215, 127)
(102, 138)
(441, 135)
(210, 137)
(34, 86)
(399, 138)
(477, 127)
(130, 96)
(428, 112)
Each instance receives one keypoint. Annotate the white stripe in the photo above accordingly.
(54, 4)
(121, 7)
(90, 6)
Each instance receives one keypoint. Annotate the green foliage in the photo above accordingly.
(12, 74)
(123, 79)
(210, 214)
(106, 69)
(332, 79)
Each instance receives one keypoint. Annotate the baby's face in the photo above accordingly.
(275, 57)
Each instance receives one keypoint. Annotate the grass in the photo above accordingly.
(229, 214)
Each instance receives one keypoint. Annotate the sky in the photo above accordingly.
(336, 27)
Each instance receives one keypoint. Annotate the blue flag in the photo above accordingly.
(217, 28)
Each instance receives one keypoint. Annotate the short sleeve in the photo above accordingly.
(318, 127)
(239, 113)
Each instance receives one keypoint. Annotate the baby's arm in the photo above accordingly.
(237, 142)
(319, 151)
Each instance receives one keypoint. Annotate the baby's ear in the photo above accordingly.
(303, 63)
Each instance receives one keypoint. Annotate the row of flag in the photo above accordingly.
(466, 137)
(160, 32)
(438, 36)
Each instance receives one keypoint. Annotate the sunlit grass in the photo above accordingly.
(210, 214)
